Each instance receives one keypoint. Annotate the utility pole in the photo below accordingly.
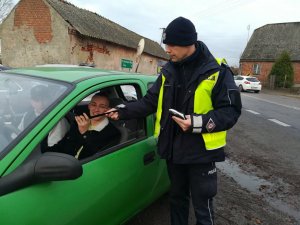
(162, 34)
(248, 28)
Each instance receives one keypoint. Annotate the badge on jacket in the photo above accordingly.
(210, 126)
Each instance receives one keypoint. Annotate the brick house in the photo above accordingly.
(55, 31)
(266, 45)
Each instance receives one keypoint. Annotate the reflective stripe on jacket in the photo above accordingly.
(159, 108)
(202, 105)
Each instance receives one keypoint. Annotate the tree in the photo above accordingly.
(5, 7)
(283, 71)
(235, 70)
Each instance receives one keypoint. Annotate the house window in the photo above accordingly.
(256, 69)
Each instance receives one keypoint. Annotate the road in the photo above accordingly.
(284, 109)
(265, 144)
(272, 124)
(259, 183)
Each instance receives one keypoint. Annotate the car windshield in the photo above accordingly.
(252, 79)
(22, 100)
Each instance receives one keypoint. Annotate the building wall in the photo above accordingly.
(107, 55)
(266, 67)
(34, 34)
(297, 73)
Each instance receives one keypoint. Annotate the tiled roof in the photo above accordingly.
(93, 25)
(269, 41)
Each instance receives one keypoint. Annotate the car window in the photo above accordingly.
(128, 131)
(129, 92)
(23, 100)
(252, 79)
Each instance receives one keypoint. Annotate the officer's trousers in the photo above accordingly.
(198, 181)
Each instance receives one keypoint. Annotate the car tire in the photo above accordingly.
(256, 91)
(241, 88)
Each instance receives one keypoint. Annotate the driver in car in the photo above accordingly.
(89, 135)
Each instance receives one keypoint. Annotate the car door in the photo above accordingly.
(114, 185)
(238, 81)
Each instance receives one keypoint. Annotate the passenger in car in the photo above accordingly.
(88, 136)
(39, 101)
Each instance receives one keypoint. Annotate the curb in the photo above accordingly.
(280, 92)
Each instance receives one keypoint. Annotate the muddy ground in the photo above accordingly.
(250, 192)
(259, 183)
(254, 188)
(234, 205)
(257, 193)
(260, 179)
(238, 205)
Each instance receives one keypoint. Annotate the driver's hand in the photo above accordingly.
(83, 122)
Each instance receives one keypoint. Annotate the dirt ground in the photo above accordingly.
(272, 200)
(233, 206)
(259, 183)
(239, 206)
(271, 184)
(262, 186)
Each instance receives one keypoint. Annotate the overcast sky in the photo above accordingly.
(221, 24)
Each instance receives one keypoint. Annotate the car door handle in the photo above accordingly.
(149, 157)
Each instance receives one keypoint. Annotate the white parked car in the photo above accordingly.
(247, 83)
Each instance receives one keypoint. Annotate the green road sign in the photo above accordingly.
(126, 63)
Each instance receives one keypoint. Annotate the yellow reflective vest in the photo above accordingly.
(202, 105)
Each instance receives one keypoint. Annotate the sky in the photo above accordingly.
(224, 26)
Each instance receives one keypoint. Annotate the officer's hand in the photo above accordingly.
(83, 122)
(112, 115)
(184, 124)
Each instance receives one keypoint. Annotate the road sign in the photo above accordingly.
(126, 63)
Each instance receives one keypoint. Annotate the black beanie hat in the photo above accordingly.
(181, 32)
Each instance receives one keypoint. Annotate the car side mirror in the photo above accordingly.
(50, 166)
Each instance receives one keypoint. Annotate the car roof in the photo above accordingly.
(72, 74)
(245, 76)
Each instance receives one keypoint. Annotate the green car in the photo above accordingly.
(54, 188)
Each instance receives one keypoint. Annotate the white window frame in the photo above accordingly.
(256, 68)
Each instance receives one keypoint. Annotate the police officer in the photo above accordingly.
(200, 86)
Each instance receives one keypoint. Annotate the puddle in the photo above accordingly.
(254, 184)
(246, 180)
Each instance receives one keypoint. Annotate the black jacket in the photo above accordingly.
(92, 141)
(182, 79)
